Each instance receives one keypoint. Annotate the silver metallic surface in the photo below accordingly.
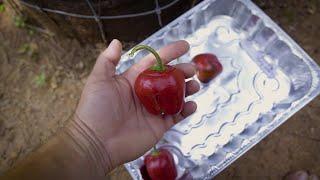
(266, 78)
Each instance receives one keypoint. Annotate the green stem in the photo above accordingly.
(154, 148)
(159, 66)
(155, 151)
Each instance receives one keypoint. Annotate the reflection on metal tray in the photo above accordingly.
(267, 77)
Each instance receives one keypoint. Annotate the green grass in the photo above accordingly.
(40, 79)
(30, 50)
(19, 21)
(25, 48)
(2, 8)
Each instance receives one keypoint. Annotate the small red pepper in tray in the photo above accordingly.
(160, 165)
(208, 67)
(161, 88)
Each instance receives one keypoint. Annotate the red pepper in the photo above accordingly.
(144, 172)
(208, 67)
(161, 88)
(160, 165)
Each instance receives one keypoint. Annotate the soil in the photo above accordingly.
(42, 78)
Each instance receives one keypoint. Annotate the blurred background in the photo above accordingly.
(46, 56)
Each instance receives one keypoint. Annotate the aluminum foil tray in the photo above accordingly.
(267, 77)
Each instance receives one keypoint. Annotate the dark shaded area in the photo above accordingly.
(86, 30)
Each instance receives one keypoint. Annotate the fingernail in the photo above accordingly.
(194, 107)
(112, 43)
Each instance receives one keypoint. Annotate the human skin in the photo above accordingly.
(110, 125)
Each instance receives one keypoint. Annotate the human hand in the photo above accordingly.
(110, 109)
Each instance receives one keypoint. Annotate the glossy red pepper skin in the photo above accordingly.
(160, 165)
(161, 92)
(208, 67)
(144, 172)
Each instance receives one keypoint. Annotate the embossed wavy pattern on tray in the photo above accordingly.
(224, 126)
(216, 106)
(275, 53)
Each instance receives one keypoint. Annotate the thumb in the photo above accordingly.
(108, 60)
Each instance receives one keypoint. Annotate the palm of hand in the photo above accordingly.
(110, 107)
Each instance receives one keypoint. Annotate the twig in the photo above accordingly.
(4, 53)
(40, 30)
(6, 57)
(15, 7)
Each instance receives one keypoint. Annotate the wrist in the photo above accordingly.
(90, 145)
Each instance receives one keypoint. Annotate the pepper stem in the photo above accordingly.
(155, 151)
(159, 66)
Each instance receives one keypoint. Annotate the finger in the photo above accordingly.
(108, 59)
(189, 108)
(112, 53)
(192, 87)
(188, 69)
(167, 54)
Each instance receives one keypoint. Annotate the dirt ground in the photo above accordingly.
(41, 81)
